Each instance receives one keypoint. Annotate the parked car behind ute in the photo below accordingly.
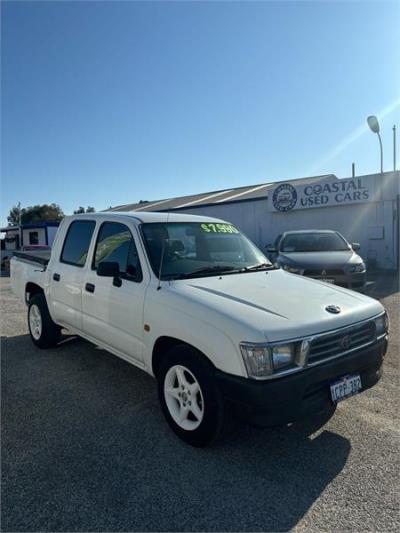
(194, 303)
(320, 254)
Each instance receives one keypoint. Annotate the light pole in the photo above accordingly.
(19, 226)
(374, 126)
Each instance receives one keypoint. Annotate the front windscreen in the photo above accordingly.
(191, 249)
(313, 242)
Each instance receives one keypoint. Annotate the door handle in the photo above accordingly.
(56, 276)
(89, 287)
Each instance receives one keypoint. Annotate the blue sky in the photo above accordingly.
(105, 103)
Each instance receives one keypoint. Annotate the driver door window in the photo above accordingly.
(115, 244)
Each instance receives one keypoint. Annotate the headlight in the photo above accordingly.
(282, 355)
(257, 359)
(382, 324)
(262, 360)
(359, 267)
(293, 270)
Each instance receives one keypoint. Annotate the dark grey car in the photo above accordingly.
(320, 254)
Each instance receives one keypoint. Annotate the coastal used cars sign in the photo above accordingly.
(332, 192)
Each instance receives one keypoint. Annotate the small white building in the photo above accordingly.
(364, 209)
(42, 233)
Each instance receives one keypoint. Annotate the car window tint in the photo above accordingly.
(115, 243)
(77, 242)
(314, 242)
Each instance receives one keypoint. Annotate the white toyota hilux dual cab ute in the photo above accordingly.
(194, 302)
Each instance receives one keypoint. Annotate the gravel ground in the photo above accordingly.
(85, 448)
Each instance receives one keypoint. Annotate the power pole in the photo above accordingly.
(19, 225)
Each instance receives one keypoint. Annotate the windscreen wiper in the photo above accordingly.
(260, 266)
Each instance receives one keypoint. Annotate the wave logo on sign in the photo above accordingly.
(284, 197)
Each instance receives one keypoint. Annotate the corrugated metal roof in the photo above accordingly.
(239, 194)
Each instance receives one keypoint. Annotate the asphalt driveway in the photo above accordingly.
(85, 448)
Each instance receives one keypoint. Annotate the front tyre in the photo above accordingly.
(190, 401)
(44, 332)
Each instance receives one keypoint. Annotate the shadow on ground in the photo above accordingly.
(382, 284)
(85, 448)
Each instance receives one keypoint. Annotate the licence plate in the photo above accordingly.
(327, 280)
(345, 387)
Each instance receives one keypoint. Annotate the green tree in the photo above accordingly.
(13, 217)
(35, 213)
(81, 209)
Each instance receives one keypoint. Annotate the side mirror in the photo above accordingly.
(271, 249)
(109, 269)
(356, 246)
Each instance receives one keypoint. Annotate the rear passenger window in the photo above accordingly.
(77, 242)
(115, 243)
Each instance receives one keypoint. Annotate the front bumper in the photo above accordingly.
(301, 395)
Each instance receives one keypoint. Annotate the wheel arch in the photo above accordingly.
(31, 289)
(164, 344)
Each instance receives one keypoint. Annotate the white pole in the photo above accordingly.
(19, 225)
(380, 144)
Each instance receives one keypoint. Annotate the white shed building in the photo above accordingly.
(36, 233)
(364, 209)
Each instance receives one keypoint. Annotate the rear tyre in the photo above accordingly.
(44, 332)
(190, 400)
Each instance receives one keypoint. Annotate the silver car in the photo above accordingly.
(320, 254)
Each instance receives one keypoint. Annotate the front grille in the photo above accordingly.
(334, 344)
(323, 272)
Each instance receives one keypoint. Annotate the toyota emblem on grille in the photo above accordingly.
(335, 309)
(345, 342)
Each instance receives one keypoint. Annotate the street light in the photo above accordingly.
(374, 127)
